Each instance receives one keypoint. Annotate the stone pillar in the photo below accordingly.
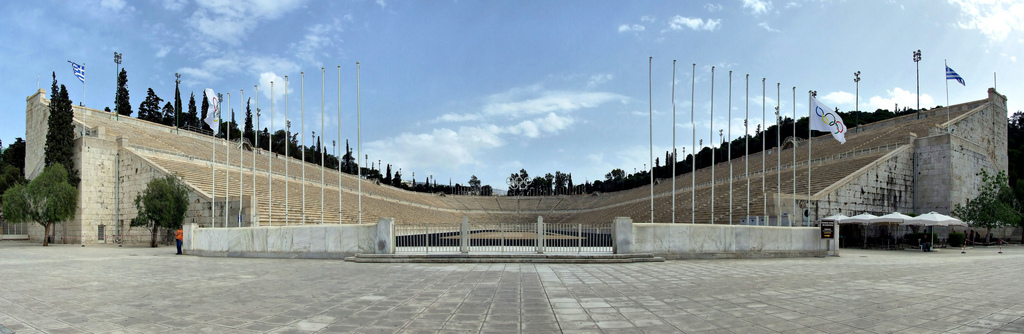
(464, 235)
(540, 235)
(188, 237)
(385, 243)
(622, 235)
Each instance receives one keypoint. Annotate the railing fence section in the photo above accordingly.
(505, 238)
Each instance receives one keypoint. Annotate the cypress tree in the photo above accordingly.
(60, 136)
(193, 117)
(122, 104)
(248, 123)
(178, 120)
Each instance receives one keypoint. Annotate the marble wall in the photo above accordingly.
(301, 241)
(695, 241)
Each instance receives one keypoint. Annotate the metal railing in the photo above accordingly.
(505, 238)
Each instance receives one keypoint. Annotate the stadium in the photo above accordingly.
(911, 164)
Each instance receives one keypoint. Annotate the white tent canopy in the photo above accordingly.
(894, 217)
(934, 219)
(864, 218)
(835, 218)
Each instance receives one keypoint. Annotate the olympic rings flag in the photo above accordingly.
(825, 119)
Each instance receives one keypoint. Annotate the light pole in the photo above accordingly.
(917, 60)
(117, 76)
(856, 79)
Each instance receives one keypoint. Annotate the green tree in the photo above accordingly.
(474, 184)
(162, 205)
(10, 176)
(193, 116)
(248, 134)
(14, 155)
(397, 179)
(168, 115)
(60, 136)
(122, 104)
(178, 120)
(149, 109)
(48, 199)
(995, 206)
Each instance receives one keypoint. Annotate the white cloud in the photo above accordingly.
(552, 123)
(792, 4)
(767, 27)
(551, 102)
(441, 147)
(647, 18)
(317, 37)
(450, 117)
(994, 18)
(838, 98)
(266, 78)
(211, 69)
(162, 51)
(757, 7)
(229, 20)
(713, 7)
(114, 5)
(598, 79)
(382, 3)
(631, 28)
(902, 97)
(679, 22)
(174, 5)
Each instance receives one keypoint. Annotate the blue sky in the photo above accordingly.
(456, 88)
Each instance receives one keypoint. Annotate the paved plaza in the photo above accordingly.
(104, 289)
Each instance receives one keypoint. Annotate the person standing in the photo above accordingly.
(178, 237)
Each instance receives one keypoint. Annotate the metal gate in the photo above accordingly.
(505, 238)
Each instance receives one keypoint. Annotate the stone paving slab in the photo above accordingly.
(102, 289)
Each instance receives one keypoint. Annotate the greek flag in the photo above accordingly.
(79, 71)
(951, 75)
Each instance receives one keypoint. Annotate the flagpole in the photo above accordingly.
(256, 146)
(227, 164)
(287, 157)
(359, 146)
(240, 158)
(213, 167)
(711, 142)
(793, 208)
(947, 96)
(746, 146)
(810, 95)
(764, 133)
(778, 153)
(83, 90)
(729, 152)
(339, 142)
(302, 126)
(270, 160)
(693, 152)
(650, 107)
(674, 141)
(323, 81)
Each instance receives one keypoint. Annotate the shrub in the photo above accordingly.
(956, 239)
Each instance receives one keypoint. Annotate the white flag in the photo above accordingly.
(825, 119)
(213, 115)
